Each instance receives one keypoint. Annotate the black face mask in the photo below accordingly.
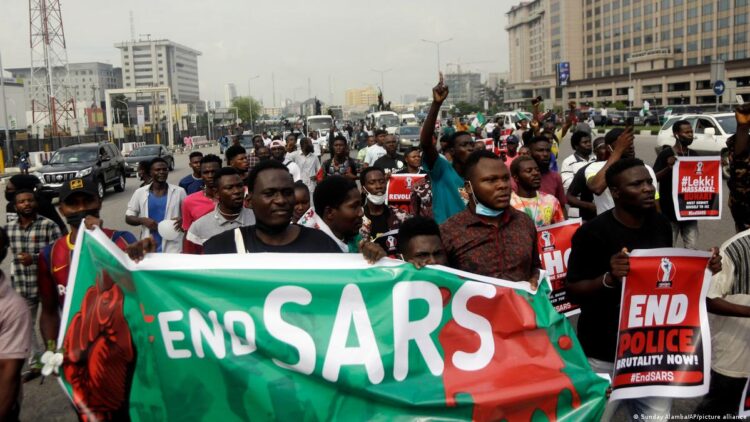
(272, 230)
(74, 220)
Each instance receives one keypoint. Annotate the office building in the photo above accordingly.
(464, 87)
(88, 81)
(230, 93)
(361, 96)
(542, 34)
(151, 63)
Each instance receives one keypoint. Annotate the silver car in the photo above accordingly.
(407, 137)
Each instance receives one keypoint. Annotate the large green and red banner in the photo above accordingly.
(313, 337)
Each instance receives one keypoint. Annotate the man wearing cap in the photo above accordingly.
(79, 202)
(511, 149)
(278, 153)
(157, 202)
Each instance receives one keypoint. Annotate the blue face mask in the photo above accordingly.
(482, 209)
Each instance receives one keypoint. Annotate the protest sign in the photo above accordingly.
(238, 337)
(554, 249)
(664, 344)
(745, 403)
(399, 190)
(696, 188)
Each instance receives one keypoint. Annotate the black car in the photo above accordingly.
(101, 161)
(147, 153)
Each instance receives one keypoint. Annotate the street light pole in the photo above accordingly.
(382, 80)
(250, 100)
(8, 144)
(437, 45)
(127, 109)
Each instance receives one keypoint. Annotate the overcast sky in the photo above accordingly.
(340, 40)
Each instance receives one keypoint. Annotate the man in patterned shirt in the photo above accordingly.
(28, 236)
(79, 202)
(543, 209)
(490, 237)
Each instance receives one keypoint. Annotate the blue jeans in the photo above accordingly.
(656, 408)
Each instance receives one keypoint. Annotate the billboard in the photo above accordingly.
(563, 73)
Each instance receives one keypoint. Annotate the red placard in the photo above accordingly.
(554, 249)
(696, 188)
(663, 345)
(399, 190)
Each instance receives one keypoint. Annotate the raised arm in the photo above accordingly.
(598, 184)
(429, 150)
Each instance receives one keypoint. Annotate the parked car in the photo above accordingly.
(147, 153)
(100, 161)
(652, 118)
(711, 132)
(636, 116)
(407, 137)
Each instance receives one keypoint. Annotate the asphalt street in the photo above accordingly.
(48, 402)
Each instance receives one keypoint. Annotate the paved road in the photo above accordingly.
(48, 402)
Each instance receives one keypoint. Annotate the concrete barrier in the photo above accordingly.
(200, 141)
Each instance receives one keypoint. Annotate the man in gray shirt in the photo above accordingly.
(229, 212)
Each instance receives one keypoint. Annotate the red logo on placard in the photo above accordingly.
(546, 241)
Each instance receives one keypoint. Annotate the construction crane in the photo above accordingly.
(52, 100)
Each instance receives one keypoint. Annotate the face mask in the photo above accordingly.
(482, 209)
(74, 220)
(375, 199)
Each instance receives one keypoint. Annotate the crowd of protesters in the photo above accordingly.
(474, 211)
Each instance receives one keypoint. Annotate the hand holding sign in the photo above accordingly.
(619, 265)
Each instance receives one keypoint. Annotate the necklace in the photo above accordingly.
(229, 216)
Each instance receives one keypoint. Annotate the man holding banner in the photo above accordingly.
(599, 261)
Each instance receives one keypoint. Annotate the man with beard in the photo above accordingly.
(541, 151)
(542, 208)
(683, 133)
(599, 261)
(392, 162)
(15, 341)
(279, 153)
(271, 191)
(27, 237)
(79, 202)
(490, 237)
(229, 213)
(340, 164)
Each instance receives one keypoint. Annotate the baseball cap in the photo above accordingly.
(82, 185)
(277, 143)
(512, 139)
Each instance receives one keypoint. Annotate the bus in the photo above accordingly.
(321, 123)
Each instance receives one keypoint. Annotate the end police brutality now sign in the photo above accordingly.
(313, 337)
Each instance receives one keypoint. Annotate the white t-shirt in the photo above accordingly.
(570, 167)
(604, 202)
(730, 336)
(374, 152)
(294, 170)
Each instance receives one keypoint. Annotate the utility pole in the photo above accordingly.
(250, 100)
(273, 88)
(382, 80)
(437, 46)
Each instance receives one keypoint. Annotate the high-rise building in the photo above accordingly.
(151, 63)
(464, 87)
(230, 93)
(361, 96)
(88, 81)
(542, 34)
(662, 50)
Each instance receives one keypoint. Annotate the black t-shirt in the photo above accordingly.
(579, 189)
(665, 184)
(308, 241)
(593, 246)
(390, 165)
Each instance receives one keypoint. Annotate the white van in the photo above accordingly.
(387, 119)
(509, 118)
(409, 119)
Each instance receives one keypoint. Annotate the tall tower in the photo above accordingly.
(51, 99)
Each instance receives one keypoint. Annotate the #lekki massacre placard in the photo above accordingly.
(554, 243)
(663, 346)
(697, 188)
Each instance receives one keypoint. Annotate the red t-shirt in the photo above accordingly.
(195, 206)
(54, 263)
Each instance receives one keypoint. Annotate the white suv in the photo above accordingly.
(711, 133)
